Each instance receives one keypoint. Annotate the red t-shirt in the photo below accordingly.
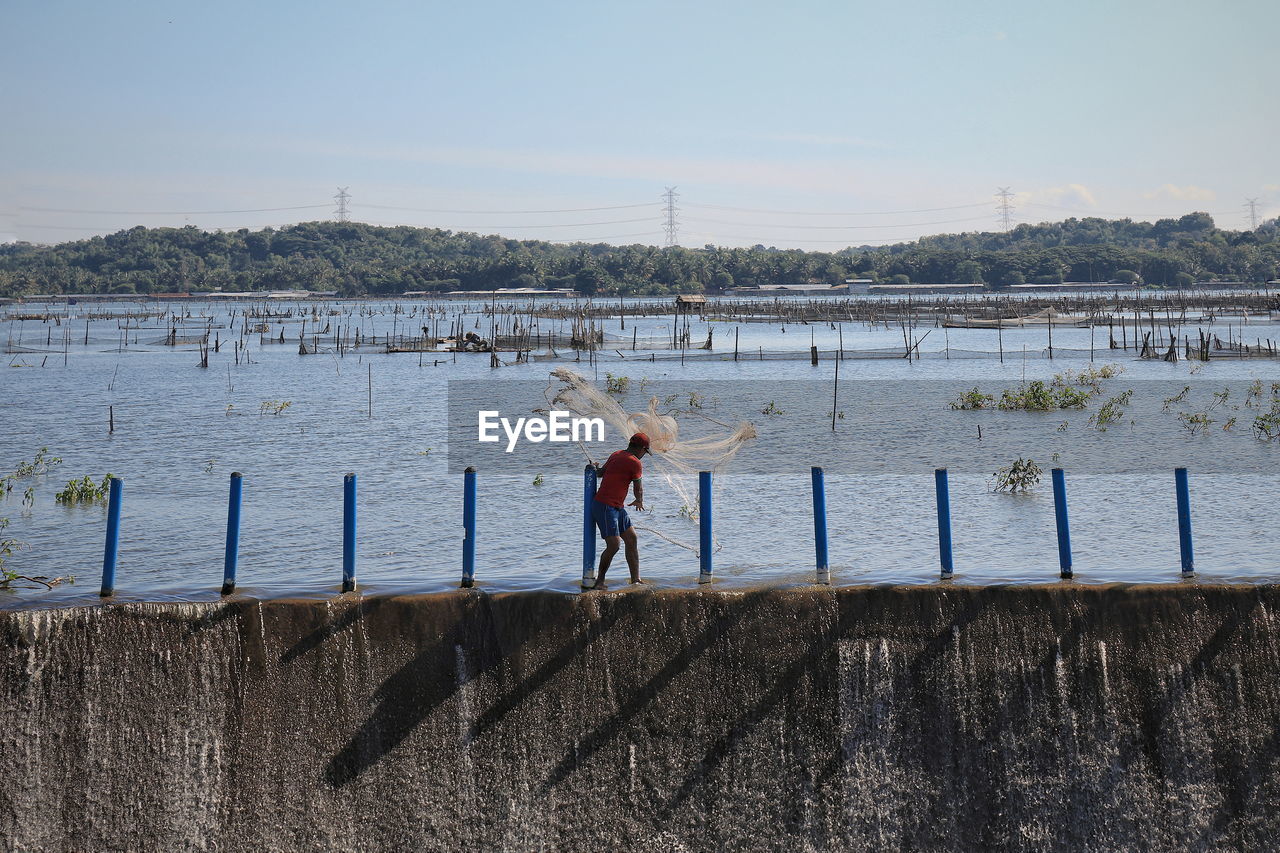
(619, 471)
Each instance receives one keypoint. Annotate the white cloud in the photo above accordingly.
(1067, 196)
(1187, 193)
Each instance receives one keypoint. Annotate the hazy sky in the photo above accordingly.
(806, 124)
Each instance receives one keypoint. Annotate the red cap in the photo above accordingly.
(640, 439)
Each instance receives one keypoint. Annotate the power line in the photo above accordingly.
(755, 240)
(1252, 204)
(843, 227)
(831, 213)
(168, 212)
(671, 226)
(506, 212)
(341, 199)
(544, 225)
(1005, 208)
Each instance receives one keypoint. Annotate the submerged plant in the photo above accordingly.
(7, 546)
(1018, 476)
(40, 465)
(616, 384)
(275, 407)
(84, 491)
(974, 399)
(1111, 412)
(1176, 398)
(772, 409)
(1195, 423)
(1036, 396)
(1253, 395)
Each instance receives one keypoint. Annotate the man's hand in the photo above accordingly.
(638, 503)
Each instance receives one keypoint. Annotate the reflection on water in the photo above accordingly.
(180, 430)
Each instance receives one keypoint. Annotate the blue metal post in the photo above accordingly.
(588, 527)
(820, 524)
(1184, 521)
(113, 538)
(233, 536)
(1060, 516)
(704, 526)
(349, 533)
(944, 520)
(469, 527)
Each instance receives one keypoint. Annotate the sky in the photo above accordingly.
(812, 124)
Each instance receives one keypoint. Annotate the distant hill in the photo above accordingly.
(357, 259)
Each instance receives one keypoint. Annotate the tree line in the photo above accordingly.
(355, 259)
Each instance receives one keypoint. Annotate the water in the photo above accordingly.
(180, 430)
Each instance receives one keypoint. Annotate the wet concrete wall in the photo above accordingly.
(1015, 718)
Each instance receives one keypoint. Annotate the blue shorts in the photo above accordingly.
(610, 520)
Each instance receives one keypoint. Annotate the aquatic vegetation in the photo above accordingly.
(1089, 378)
(36, 467)
(40, 465)
(1036, 396)
(1111, 412)
(772, 409)
(537, 481)
(973, 399)
(1266, 426)
(1176, 398)
(275, 407)
(1198, 422)
(1195, 423)
(1018, 476)
(84, 491)
(616, 384)
(7, 546)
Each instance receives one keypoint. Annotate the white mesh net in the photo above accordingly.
(675, 460)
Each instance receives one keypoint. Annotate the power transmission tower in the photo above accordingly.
(671, 226)
(1005, 209)
(341, 199)
(1252, 204)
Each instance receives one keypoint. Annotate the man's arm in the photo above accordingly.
(638, 487)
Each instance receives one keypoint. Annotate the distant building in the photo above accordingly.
(501, 293)
(1069, 286)
(810, 289)
(859, 285)
(954, 287)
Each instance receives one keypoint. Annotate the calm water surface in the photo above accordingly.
(180, 430)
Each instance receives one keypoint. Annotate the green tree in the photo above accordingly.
(968, 272)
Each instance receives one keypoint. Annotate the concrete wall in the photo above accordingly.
(921, 718)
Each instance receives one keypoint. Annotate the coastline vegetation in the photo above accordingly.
(355, 259)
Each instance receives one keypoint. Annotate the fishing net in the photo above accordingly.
(675, 459)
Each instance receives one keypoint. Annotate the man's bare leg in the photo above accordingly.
(611, 544)
(632, 552)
